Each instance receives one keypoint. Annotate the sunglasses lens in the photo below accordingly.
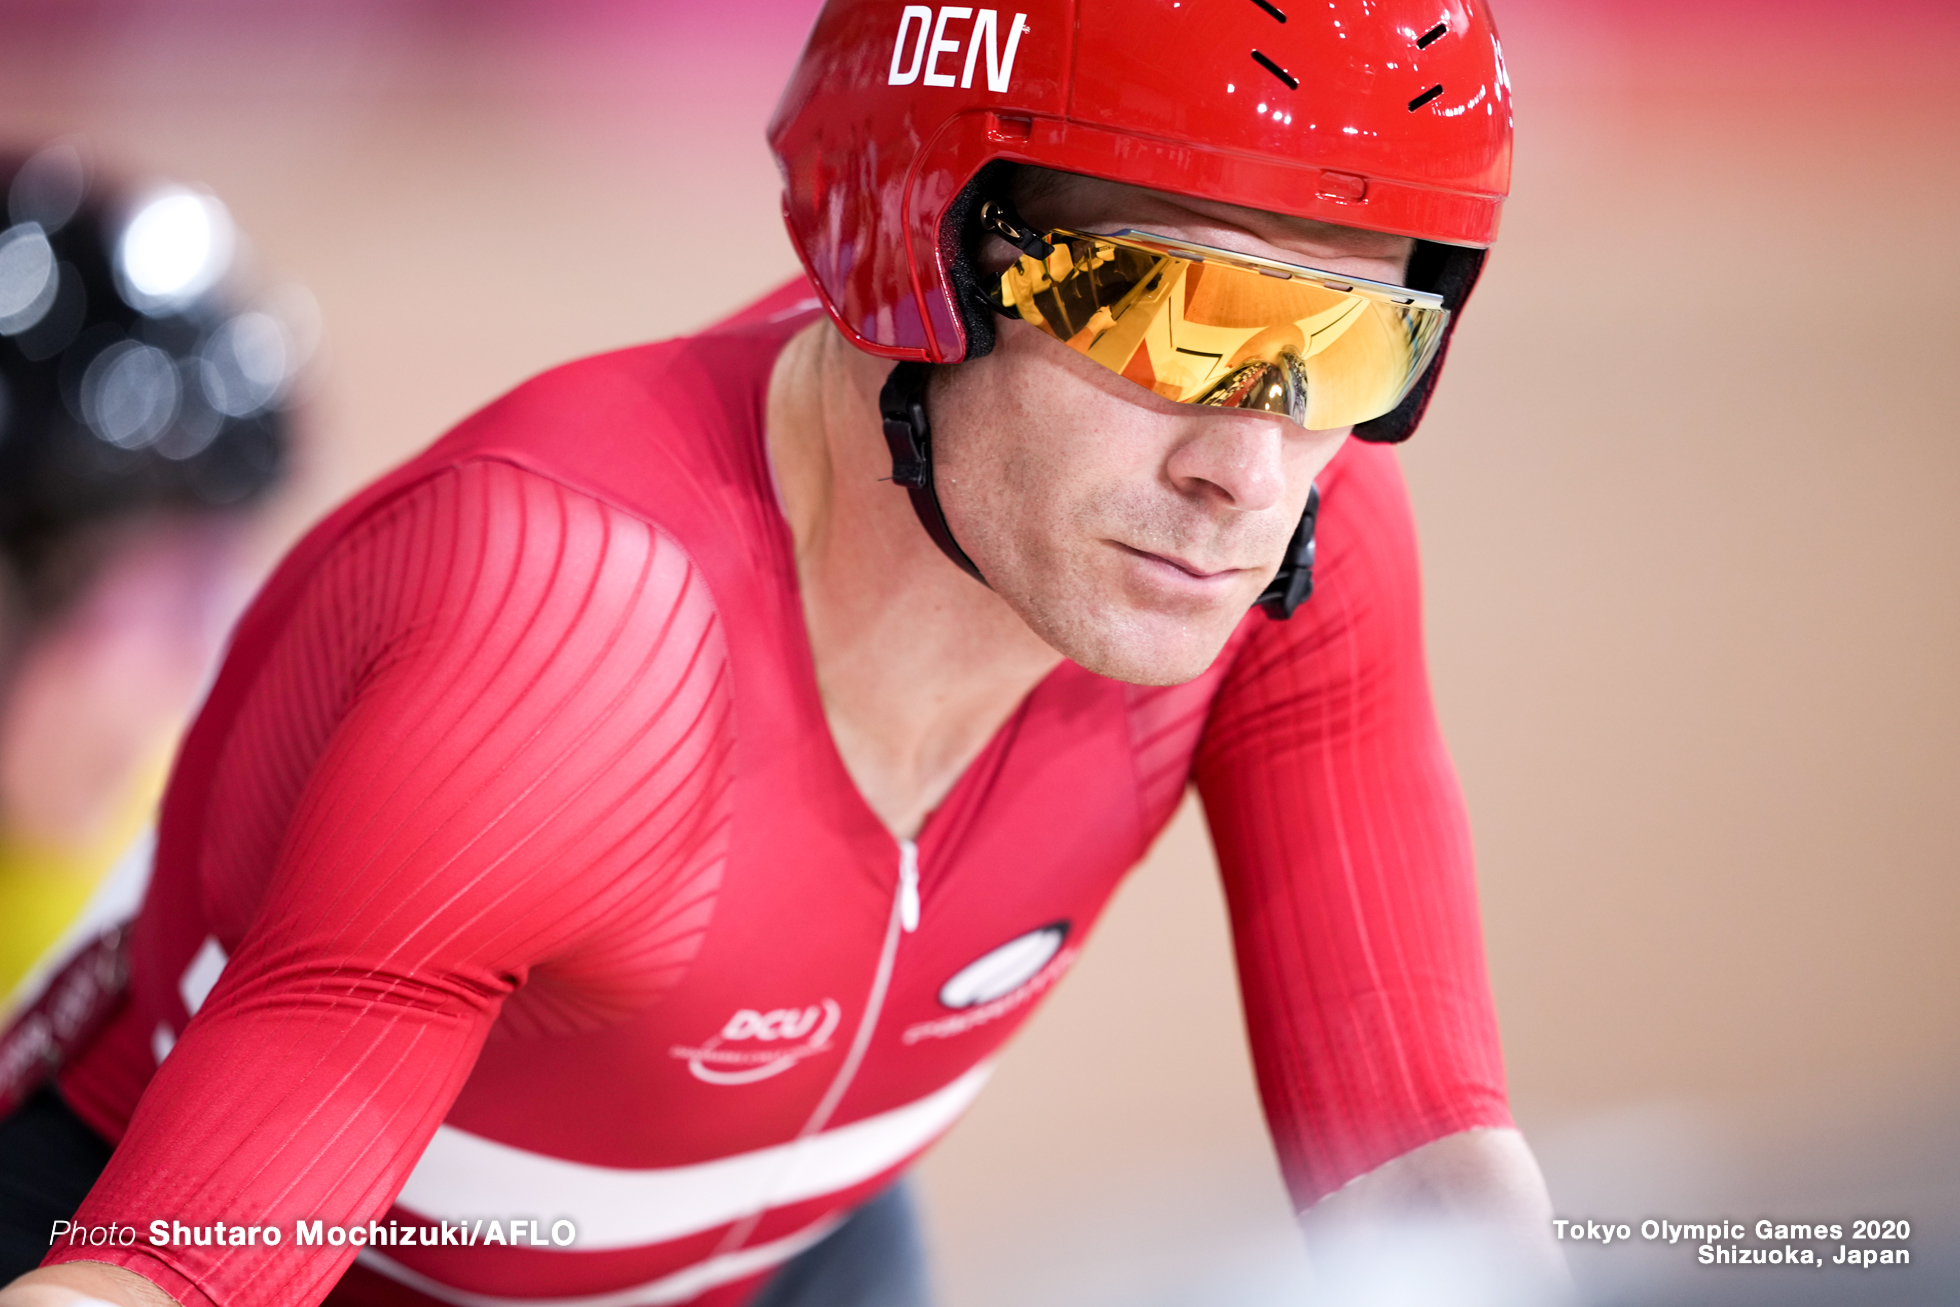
(1230, 336)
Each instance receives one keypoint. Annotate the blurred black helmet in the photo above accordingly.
(128, 378)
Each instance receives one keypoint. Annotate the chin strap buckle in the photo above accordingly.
(1293, 583)
(903, 408)
(908, 434)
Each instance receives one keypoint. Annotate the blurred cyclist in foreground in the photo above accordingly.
(140, 419)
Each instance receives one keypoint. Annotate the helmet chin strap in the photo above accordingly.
(1292, 585)
(908, 434)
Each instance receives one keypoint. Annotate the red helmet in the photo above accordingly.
(1393, 115)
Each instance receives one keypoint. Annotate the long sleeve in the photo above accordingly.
(484, 756)
(1346, 858)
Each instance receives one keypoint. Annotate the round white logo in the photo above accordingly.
(1004, 970)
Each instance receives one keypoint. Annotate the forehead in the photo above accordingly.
(1048, 198)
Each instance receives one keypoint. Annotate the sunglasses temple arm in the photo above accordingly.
(998, 217)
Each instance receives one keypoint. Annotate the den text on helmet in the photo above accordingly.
(925, 39)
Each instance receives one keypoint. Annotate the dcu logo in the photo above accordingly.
(923, 40)
(757, 1045)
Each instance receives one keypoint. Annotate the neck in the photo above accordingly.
(918, 664)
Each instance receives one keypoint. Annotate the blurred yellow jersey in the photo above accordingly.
(45, 885)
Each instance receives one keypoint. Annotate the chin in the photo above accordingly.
(1141, 646)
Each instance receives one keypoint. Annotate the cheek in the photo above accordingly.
(1027, 456)
(1014, 504)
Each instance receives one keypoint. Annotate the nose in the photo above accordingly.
(1238, 460)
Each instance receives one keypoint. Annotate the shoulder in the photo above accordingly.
(632, 424)
(462, 572)
(628, 427)
(1365, 520)
(668, 435)
(671, 433)
(459, 566)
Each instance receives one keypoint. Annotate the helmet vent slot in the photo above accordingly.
(1292, 82)
(1429, 37)
(1425, 97)
(1278, 14)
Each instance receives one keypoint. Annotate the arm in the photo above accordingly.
(516, 776)
(80, 1283)
(1484, 1181)
(1481, 1176)
(1347, 867)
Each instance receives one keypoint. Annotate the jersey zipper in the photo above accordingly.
(908, 885)
(902, 920)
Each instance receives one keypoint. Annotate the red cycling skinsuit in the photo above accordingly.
(512, 877)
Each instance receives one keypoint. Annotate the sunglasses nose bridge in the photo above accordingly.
(1279, 386)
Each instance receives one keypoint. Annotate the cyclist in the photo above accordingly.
(620, 839)
(135, 444)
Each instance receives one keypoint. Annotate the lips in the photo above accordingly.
(1194, 570)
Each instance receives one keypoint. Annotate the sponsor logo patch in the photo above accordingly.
(756, 1045)
(1008, 978)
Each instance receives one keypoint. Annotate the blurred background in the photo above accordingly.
(1688, 513)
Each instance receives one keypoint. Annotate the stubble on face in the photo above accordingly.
(1055, 487)
(1061, 479)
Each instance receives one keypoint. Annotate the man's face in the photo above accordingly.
(1130, 532)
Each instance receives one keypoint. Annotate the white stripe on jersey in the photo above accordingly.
(463, 1176)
